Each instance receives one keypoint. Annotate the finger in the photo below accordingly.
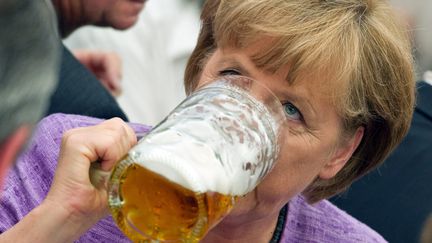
(106, 142)
(123, 138)
(117, 91)
(112, 72)
(113, 86)
(123, 127)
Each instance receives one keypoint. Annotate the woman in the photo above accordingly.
(343, 71)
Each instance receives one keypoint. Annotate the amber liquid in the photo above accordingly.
(154, 209)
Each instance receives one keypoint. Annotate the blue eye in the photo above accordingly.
(292, 112)
(227, 72)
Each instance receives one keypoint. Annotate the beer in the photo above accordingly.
(183, 177)
(154, 208)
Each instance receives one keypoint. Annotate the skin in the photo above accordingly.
(106, 66)
(118, 14)
(10, 148)
(73, 204)
(313, 146)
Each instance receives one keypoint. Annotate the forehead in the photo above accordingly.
(309, 92)
(326, 86)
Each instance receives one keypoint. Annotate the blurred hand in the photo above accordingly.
(71, 188)
(106, 66)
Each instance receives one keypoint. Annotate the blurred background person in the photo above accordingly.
(154, 54)
(79, 91)
(29, 63)
(29, 57)
(118, 14)
(105, 65)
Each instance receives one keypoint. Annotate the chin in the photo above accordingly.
(246, 206)
(244, 213)
(124, 24)
(259, 204)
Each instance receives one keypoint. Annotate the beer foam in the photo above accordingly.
(224, 146)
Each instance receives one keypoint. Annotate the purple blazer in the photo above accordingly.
(28, 183)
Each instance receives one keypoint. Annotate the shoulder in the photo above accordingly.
(42, 151)
(28, 182)
(62, 122)
(324, 222)
(57, 124)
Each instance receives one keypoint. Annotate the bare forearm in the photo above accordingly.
(47, 223)
(73, 204)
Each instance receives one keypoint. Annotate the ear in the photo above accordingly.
(342, 155)
(9, 149)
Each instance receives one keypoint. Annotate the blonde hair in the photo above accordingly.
(358, 44)
(426, 233)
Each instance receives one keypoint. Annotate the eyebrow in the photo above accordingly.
(297, 100)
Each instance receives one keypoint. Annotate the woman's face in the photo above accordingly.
(312, 148)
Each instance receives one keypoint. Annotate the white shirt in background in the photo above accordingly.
(154, 54)
(427, 77)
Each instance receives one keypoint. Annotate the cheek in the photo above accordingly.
(298, 165)
(123, 14)
(210, 69)
(127, 8)
(290, 175)
(100, 6)
(205, 77)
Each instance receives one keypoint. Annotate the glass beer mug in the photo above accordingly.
(185, 175)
